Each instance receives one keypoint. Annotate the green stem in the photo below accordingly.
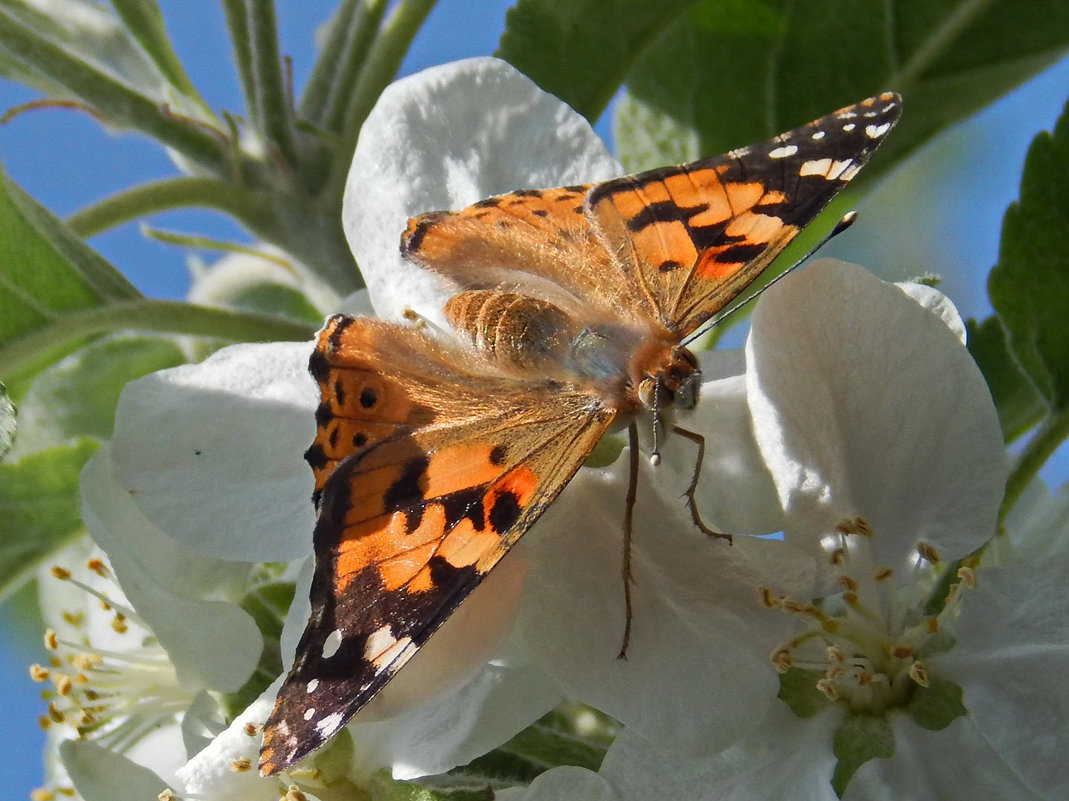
(165, 316)
(382, 64)
(275, 118)
(325, 70)
(237, 23)
(144, 20)
(121, 105)
(171, 193)
(1051, 433)
(351, 66)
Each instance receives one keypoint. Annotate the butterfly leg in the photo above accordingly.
(692, 505)
(629, 514)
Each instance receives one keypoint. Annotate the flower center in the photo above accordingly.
(114, 695)
(865, 646)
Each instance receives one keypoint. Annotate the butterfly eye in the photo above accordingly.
(687, 394)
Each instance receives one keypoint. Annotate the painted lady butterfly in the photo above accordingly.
(432, 459)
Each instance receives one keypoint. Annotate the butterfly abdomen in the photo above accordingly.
(516, 330)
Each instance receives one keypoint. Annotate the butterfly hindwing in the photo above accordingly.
(457, 465)
(693, 237)
(536, 240)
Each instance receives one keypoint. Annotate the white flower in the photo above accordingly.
(118, 699)
(884, 444)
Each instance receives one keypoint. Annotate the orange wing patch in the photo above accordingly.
(694, 236)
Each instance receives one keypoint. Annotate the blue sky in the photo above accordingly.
(942, 208)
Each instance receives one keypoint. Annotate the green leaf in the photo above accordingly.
(732, 72)
(1018, 403)
(78, 396)
(88, 30)
(165, 316)
(580, 50)
(46, 273)
(858, 739)
(1029, 287)
(39, 509)
(936, 706)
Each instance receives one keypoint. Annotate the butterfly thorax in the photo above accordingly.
(630, 366)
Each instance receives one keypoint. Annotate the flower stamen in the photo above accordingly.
(114, 695)
(874, 632)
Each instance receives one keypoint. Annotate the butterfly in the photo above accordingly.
(433, 457)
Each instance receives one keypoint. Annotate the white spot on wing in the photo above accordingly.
(311, 686)
(817, 136)
(332, 643)
(783, 152)
(832, 170)
(309, 713)
(876, 131)
(849, 127)
(382, 647)
(847, 115)
(839, 169)
(815, 167)
(848, 173)
(330, 724)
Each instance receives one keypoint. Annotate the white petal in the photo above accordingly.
(212, 453)
(212, 643)
(210, 774)
(562, 784)
(697, 674)
(866, 404)
(938, 304)
(442, 139)
(956, 762)
(100, 774)
(735, 492)
(1036, 528)
(787, 759)
(497, 704)
(1012, 660)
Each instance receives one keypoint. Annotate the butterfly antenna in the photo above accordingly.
(845, 222)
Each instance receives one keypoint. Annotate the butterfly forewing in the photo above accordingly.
(455, 466)
(693, 237)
